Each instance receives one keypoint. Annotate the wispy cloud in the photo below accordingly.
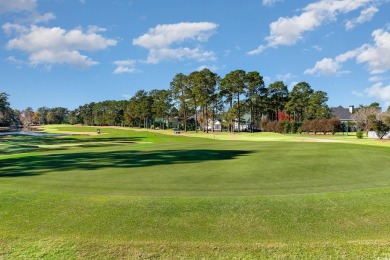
(377, 78)
(317, 48)
(376, 56)
(365, 16)
(125, 66)
(270, 2)
(357, 93)
(28, 7)
(289, 30)
(13, 6)
(213, 68)
(379, 91)
(286, 77)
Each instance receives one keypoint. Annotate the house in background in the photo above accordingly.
(244, 124)
(217, 125)
(171, 122)
(344, 114)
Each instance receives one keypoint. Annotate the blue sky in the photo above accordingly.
(72, 52)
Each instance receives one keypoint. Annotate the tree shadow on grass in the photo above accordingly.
(23, 144)
(41, 164)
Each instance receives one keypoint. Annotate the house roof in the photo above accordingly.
(171, 119)
(342, 113)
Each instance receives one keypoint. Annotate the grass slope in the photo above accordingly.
(136, 194)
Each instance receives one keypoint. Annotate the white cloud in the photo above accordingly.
(348, 55)
(38, 18)
(166, 34)
(290, 30)
(18, 63)
(376, 78)
(12, 6)
(213, 68)
(258, 50)
(270, 2)
(95, 29)
(157, 55)
(267, 80)
(10, 28)
(365, 16)
(325, 66)
(285, 77)
(28, 7)
(376, 56)
(292, 85)
(159, 41)
(125, 66)
(379, 91)
(317, 48)
(48, 46)
(357, 93)
(328, 66)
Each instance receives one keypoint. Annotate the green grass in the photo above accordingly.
(136, 194)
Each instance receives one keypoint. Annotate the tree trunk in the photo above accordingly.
(231, 123)
(207, 120)
(213, 122)
(251, 121)
(185, 117)
(239, 115)
(196, 118)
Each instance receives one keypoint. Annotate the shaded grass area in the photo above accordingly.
(89, 161)
(10, 144)
(24, 144)
(187, 169)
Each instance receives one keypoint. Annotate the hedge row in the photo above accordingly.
(315, 126)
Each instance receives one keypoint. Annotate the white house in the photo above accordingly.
(217, 125)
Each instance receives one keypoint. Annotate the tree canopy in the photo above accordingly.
(197, 100)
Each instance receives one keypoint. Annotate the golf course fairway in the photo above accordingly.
(136, 194)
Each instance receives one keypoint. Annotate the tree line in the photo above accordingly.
(8, 116)
(199, 98)
(371, 118)
(203, 96)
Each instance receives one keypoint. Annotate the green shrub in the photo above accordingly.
(359, 134)
(381, 128)
(286, 127)
(293, 127)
